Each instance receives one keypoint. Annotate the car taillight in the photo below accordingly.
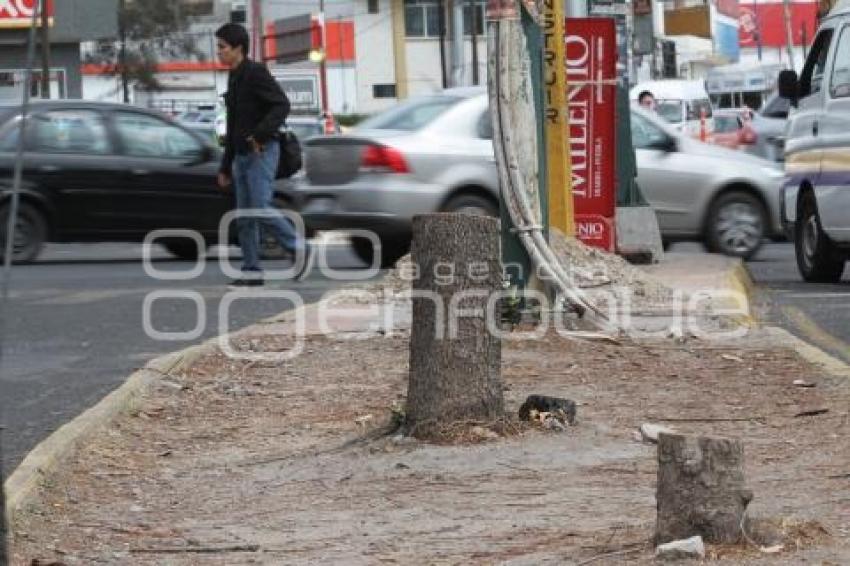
(382, 158)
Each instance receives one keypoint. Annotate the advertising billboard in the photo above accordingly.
(763, 22)
(591, 58)
(18, 13)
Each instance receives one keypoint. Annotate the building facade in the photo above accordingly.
(71, 22)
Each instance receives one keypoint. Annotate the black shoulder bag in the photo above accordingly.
(289, 162)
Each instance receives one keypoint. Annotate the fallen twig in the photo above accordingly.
(198, 549)
(611, 554)
(812, 413)
(709, 419)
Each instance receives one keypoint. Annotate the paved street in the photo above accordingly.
(75, 330)
(818, 313)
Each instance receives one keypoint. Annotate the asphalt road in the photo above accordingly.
(818, 313)
(74, 328)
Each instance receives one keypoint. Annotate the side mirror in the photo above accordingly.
(789, 86)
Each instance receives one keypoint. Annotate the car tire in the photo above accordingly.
(472, 204)
(185, 249)
(393, 248)
(818, 260)
(30, 232)
(737, 225)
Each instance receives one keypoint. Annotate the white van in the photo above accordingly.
(680, 103)
(815, 199)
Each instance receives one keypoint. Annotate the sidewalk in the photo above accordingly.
(260, 462)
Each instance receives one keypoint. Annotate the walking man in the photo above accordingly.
(256, 108)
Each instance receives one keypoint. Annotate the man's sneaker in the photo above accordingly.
(247, 283)
(309, 260)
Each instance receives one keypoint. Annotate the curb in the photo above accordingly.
(51, 453)
(742, 282)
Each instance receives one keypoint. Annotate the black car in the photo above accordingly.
(97, 172)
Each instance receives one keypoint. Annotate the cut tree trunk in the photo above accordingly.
(455, 361)
(700, 489)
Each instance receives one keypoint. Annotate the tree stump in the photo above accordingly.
(455, 373)
(700, 489)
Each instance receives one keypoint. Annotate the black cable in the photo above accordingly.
(7, 256)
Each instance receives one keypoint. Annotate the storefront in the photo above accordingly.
(70, 21)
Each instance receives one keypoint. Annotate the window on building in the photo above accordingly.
(69, 131)
(476, 10)
(421, 18)
(840, 82)
(383, 91)
(373, 6)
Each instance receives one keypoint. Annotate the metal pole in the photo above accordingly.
(474, 10)
(788, 34)
(457, 43)
(122, 53)
(323, 67)
(45, 50)
(7, 256)
(441, 7)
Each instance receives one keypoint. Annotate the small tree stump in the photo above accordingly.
(701, 488)
(455, 375)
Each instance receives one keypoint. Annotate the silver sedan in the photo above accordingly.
(435, 153)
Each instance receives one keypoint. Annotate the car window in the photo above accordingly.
(812, 77)
(724, 124)
(645, 134)
(485, 126)
(697, 107)
(68, 131)
(9, 138)
(410, 116)
(306, 131)
(148, 136)
(670, 110)
(840, 81)
(776, 107)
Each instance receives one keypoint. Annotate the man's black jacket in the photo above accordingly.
(256, 107)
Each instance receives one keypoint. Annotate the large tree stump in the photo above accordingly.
(700, 489)
(454, 378)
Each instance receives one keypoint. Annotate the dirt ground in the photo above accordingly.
(246, 463)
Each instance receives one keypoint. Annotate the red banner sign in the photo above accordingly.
(764, 22)
(18, 13)
(591, 49)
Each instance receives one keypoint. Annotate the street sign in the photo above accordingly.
(591, 51)
(302, 90)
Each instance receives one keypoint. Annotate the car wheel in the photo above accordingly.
(818, 260)
(393, 248)
(736, 225)
(472, 204)
(30, 233)
(184, 248)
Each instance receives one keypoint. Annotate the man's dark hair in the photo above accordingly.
(234, 35)
(644, 94)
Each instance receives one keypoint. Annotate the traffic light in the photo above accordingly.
(668, 60)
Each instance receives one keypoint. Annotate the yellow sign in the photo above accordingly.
(559, 175)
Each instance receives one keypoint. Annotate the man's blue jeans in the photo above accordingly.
(253, 179)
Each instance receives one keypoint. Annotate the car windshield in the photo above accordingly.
(697, 107)
(670, 110)
(410, 116)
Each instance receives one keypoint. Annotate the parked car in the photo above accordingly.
(733, 129)
(435, 153)
(816, 195)
(107, 172)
